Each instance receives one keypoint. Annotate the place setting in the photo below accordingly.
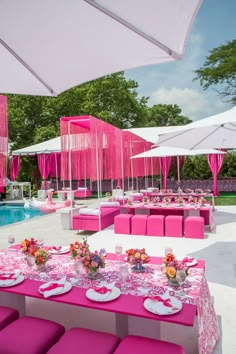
(55, 287)
(162, 304)
(11, 278)
(103, 292)
(58, 249)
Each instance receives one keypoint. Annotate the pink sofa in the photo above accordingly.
(91, 222)
(83, 193)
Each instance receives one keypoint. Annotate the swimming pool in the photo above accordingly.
(10, 214)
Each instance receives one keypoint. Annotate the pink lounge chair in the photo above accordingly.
(91, 222)
(138, 345)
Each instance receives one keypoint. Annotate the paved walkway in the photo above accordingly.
(218, 249)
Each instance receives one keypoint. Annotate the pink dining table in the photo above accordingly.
(196, 302)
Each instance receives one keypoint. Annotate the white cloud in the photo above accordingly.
(193, 103)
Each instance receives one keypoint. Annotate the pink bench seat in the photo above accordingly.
(140, 345)
(29, 335)
(82, 193)
(91, 222)
(86, 341)
(7, 315)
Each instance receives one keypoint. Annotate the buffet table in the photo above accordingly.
(197, 300)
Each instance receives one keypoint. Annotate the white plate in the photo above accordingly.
(19, 280)
(114, 294)
(66, 288)
(190, 264)
(159, 308)
(61, 251)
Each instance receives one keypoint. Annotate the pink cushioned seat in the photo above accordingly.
(140, 345)
(174, 225)
(29, 335)
(7, 315)
(139, 224)
(194, 227)
(156, 225)
(85, 341)
(122, 224)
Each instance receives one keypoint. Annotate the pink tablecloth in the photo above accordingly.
(151, 282)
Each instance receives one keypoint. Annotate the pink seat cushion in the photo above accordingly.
(85, 341)
(140, 345)
(156, 225)
(139, 225)
(122, 224)
(194, 227)
(7, 315)
(29, 335)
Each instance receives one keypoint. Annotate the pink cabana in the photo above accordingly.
(15, 167)
(44, 167)
(3, 142)
(165, 167)
(215, 162)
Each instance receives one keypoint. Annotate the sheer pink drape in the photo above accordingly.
(215, 162)
(44, 167)
(15, 167)
(55, 164)
(165, 167)
(3, 141)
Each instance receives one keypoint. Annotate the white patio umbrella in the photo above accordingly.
(218, 131)
(165, 151)
(49, 46)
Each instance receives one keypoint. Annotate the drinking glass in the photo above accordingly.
(11, 240)
(124, 272)
(180, 277)
(40, 242)
(168, 249)
(30, 260)
(118, 250)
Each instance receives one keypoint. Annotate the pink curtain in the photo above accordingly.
(15, 167)
(215, 162)
(165, 167)
(55, 164)
(3, 141)
(44, 167)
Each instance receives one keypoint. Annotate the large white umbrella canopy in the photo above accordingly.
(218, 131)
(46, 147)
(49, 46)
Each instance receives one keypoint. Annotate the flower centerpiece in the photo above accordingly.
(167, 200)
(41, 257)
(180, 201)
(202, 201)
(29, 247)
(171, 265)
(137, 257)
(91, 261)
(145, 200)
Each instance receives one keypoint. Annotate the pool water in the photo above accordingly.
(9, 214)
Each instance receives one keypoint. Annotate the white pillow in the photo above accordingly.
(88, 211)
(82, 188)
(109, 204)
(136, 194)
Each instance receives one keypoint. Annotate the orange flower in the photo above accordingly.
(169, 258)
(170, 271)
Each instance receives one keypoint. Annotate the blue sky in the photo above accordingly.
(171, 83)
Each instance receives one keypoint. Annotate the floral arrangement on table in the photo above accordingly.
(29, 246)
(162, 191)
(202, 201)
(91, 261)
(129, 201)
(198, 190)
(136, 255)
(171, 265)
(188, 190)
(180, 200)
(145, 200)
(41, 257)
(167, 200)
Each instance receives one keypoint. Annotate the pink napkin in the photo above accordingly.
(101, 290)
(54, 288)
(166, 302)
(188, 259)
(54, 248)
(9, 278)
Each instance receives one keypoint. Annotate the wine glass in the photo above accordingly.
(168, 249)
(118, 250)
(40, 242)
(180, 277)
(11, 240)
(124, 272)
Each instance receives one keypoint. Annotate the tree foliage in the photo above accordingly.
(219, 71)
(166, 115)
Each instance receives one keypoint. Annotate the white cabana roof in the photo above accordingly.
(52, 145)
(47, 47)
(151, 133)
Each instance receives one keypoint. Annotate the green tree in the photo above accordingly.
(166, 115)
(219, 71)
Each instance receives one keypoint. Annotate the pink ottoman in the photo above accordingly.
(7, 315)
(156, 225)
(138, 345)
(139, 225)
(174, 225)
(122, 224)
(194, 227)
(86, 341)
(29, 335)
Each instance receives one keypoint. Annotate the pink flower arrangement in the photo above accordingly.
(171, 265)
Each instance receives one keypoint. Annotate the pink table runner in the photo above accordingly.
(150, 283)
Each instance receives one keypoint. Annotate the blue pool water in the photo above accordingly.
(9, 214)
